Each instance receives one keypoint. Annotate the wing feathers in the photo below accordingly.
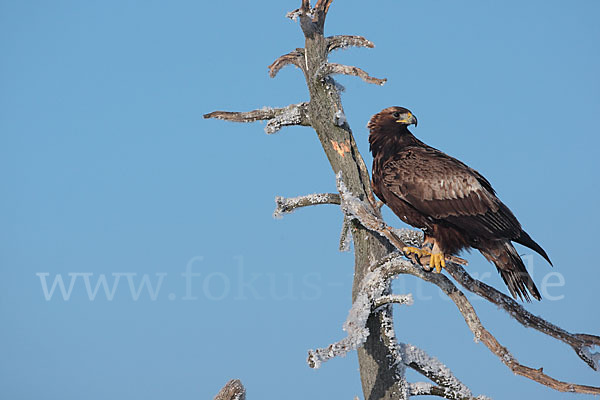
(444, 188)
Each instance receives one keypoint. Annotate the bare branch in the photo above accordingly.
(233, 390)
(323, 6)
(333, 68)
(295, 57)
(294, 114)
(264, 113)
(581, 343)
(345, 41)
(287, 205)
(320, 13)
(346, 235)
(395, 265)
(433, 369)
(427, 389)
(317, 14)
(387, 335)
(305, 6)
(293, 15)
(304, 10)
(337, 349)
(406, 299)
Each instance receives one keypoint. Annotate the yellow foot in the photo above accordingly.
(436, 260)
(417, 251)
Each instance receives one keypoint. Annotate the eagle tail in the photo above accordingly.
(511, 269)
(526, 240)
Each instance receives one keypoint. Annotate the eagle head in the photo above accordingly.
(392, 118)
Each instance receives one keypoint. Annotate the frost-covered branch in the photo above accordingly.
(406, 299)
(286, 205)
(427, 389)
(357, 327)
(233, 390)
(374, 294)
(345, 41)
(294, 114)
(346, 235)
(295, 57)
(433, 369)
(333, 68)
(374, 288)
(409, 355)
(394, 265)
(582, 344)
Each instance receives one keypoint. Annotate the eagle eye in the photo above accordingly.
(396, 114)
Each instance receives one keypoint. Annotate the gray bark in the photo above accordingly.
(378, 375)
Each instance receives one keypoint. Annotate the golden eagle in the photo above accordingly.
(454, 205)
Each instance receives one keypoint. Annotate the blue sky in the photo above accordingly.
(108, 170)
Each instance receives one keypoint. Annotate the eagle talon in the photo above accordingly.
(426, 265)
(437, 261)
(416, 250)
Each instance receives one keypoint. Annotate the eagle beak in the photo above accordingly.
(409, 119)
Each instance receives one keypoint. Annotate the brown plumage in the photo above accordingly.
(455, 205)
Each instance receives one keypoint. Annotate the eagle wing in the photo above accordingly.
(443, 188)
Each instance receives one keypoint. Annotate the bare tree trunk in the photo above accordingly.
(378, 377)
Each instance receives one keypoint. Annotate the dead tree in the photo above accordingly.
(382, 358)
